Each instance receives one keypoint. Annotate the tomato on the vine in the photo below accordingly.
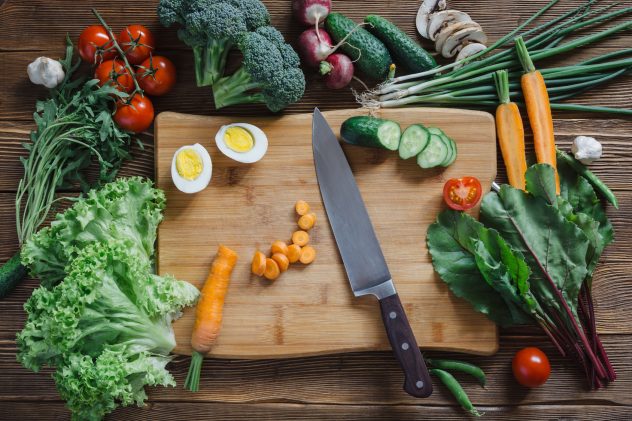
(531, 367)
(135, 115)
(137, 42)
(462, 193)
(95, 45)
(156, 75)
(114, 72)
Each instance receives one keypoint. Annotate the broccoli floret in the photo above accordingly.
(211, 28)
(269, 74)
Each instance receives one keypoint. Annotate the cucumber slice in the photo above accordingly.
(448, 142)
(372, 132)
(434, 153)
(454, 154)
(414, 140)
(435, 130)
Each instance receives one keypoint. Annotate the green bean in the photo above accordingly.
(457, 391)
(463, 367)
(590, 177)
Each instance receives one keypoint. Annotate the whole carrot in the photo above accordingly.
(539, 109)
(510, 133)
(208, 313)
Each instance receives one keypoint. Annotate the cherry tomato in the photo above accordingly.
(95, 45)
(156, 75)
(135, 115)
(531, 367)
(138, 42)
(113, 72)
(462, 193)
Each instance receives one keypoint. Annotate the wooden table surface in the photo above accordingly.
(335, 387)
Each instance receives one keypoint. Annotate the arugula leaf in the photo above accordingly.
(476, 263)
(554, 247)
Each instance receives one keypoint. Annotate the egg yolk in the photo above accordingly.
(239, 139)
(189, 164)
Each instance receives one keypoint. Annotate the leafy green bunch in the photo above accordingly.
(531, 260)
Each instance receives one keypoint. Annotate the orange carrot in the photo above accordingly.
(272, 270)
(258, 265)
(300, 238)
(308, 254)
(282, 261)
(306, 222)
(208, 313)
(293, 253)
(302, 207)
(510, 133)
(539, 109)
(279, 247)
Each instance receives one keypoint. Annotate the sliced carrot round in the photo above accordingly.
(279, 247)
(302, 207)
(308, 254)
(281, 260)
(300, 238)
(272, 270)
(258, 263)
(293, 253)
(306, 222)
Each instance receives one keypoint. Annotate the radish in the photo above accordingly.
(311, 12)
(337, 70)
(315, 47)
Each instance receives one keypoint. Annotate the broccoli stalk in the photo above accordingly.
(210, 60)
(270, 73)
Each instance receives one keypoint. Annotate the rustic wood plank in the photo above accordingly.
(354, 379)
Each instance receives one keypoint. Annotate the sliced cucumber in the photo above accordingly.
(414, 140)
(372, 132)
(436, 130)
(448, 142)
(434, 153)
(453, 156)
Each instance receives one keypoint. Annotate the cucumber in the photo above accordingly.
(372, 132)
(402, 47)
(414, 140)
(453, 157)
(434, 153)
(369, 53)
(11, 273)
(436, 130)
(451, 149)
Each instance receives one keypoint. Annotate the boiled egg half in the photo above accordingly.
(191, 168)
(242, 142)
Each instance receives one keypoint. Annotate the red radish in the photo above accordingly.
(311, 12)
(315, 47)
(338, 71)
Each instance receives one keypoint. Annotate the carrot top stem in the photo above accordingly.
(192, 381)
(523, 55)
(501, 79)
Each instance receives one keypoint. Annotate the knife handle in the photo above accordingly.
(417, 381)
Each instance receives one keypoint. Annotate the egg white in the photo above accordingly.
(255, 154)
(200, 183)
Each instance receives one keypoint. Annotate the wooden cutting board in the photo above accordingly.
(310, 309)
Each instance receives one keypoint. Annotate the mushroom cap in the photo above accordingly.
(451, 29)
(469, 50)
(440, 20)
(455, 42)
(427, 8)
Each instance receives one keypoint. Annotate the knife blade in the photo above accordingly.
(361, 252)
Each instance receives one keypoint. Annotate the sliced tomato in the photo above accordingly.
(462, 193)
(95, 45)
(135, 115)
(137, 42)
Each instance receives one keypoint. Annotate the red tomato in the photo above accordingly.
(95, 45)
(135, 116)
(531, 367)
(156, 75)
(462, 193)
(113, 72)
(137, 42)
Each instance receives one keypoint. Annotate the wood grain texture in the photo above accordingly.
(311, 310)
(338, 387)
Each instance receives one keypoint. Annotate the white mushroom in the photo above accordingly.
(423, 14)
(468, 51)
(452, 29)
(586, 149)
(459, 39)
(442, 19)
(45, 71)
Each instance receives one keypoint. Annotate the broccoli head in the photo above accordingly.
(211, 28)
(269, 73)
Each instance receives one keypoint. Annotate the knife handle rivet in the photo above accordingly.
(419, 384)
(392, 315)
(405, 346)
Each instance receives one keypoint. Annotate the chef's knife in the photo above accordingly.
(361, 253)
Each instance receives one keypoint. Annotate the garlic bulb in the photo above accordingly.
(45, 71)
(586, 149)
